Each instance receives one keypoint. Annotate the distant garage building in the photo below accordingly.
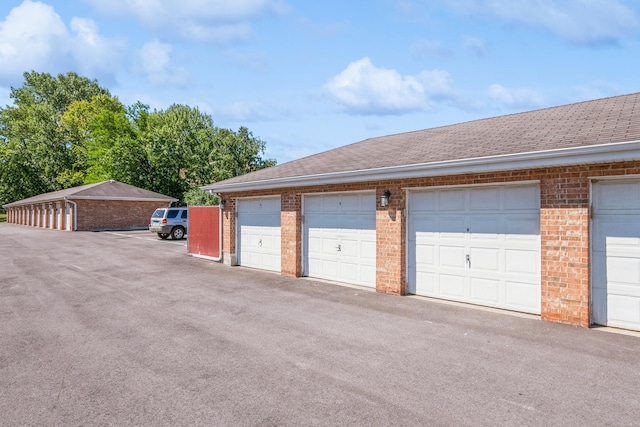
(537, 212)
(107, 205)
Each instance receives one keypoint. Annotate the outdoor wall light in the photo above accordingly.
(384, 200)
(222, 203)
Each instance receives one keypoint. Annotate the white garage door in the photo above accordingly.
(340, 238)
(615, 254)
(258, 231)
(479, 245)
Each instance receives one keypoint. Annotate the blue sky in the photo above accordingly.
(307, 76)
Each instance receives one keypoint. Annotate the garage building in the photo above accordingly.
(536, 212)
(107, 205)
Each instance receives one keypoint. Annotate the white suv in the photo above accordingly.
(169, 222)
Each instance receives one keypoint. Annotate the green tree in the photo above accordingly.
(232, 153)
(35, 157)
(90, 127)
(66, 131)
(198, 197)
(174, 139)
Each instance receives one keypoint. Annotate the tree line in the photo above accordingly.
(67, 131)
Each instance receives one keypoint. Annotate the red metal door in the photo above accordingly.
(204, 232)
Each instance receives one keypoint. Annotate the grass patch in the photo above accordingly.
(3, 217)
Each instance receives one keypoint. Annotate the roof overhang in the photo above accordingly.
(129, 199)
(621, 151)
(27, 202)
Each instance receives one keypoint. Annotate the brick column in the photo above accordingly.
(391, 242)
(229, 256)
(291, 234)
(564, 235)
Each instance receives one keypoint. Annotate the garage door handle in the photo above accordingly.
(338, 248)
(468, 261)
(260, 243)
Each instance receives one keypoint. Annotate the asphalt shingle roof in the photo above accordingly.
(99, 191)
(602, 121)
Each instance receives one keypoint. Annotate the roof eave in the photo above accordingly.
(71, 197)
(561, 157)
(130, 199)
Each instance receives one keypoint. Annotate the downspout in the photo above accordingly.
(75, 213)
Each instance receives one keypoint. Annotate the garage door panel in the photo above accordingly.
(497, 227)
(452, 256)
(349, 247)
(329, 247)
(357, 222)
(320, 223)
(329, 269)
(451, 200)
(614, 195)
(485, 226)
(615, 253)
(623, 310)
(451, 226)
(452, 286)
(624, 289)
(518, 198)
(522, 262)
(426, 255)
(259, 237)
(315, 243)
(346, 223)
(485, 258)
(368, 251)
(486, 290)
(624, 243)
(425, 283)
(423, 228)
(522, 226)
(617, 229)
(313, 205)
(522, 296)
(423, 202)
(623, 269)
(271, 241)
(484, 199)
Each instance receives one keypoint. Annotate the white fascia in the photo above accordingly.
(622, 151)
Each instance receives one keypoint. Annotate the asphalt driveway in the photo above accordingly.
(125, 329)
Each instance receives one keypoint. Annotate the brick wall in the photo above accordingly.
(115, 214)
(564, 229)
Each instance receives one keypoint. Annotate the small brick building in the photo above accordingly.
(107, 205)
(537, 212)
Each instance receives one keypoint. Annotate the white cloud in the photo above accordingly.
(219, 21)
(155, 63)
(363, 88)
(578, 21)
(516, 98)
(34, 37)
